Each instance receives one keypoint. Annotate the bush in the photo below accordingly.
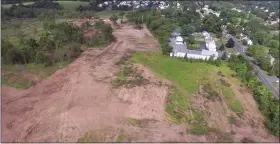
(114, 18)
(41, 57)
(86, 25)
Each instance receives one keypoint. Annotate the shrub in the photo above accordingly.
(199, 130)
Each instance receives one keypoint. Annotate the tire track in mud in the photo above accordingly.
(65, 119)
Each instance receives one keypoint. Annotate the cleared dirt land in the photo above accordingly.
(81, 102)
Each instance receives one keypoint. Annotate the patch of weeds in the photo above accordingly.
(233, 120)
(176, 106)
(86, 139)
(221, 74)
(224, 82)
(232, 102)
(225, 110)
(124, 59)
(138, 80)
(180, 109)
(202, 130)
(211, 92)
(199, 130)
(197, 116)
(133, 121)
(223, 137)
(17, 81)
(236, 106)
(247, 140)
(127, 76)
(121, 138)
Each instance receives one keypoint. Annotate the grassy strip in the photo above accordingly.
(133, 121)
(11, 76)
(202, 130)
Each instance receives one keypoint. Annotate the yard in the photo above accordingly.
(198, 39)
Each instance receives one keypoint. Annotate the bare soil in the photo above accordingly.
(73, 100)
(80, 99)
(250, 125)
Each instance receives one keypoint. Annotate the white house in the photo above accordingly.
(179, 40)
(210, 43)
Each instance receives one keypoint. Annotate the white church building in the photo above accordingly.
(180, 48)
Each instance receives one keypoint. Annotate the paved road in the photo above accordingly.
(262, 77)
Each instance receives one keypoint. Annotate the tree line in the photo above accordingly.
(58, 42)
(30, 11)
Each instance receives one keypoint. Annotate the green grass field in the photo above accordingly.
(183, 73)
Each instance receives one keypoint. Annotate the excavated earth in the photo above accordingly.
(80, 99)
